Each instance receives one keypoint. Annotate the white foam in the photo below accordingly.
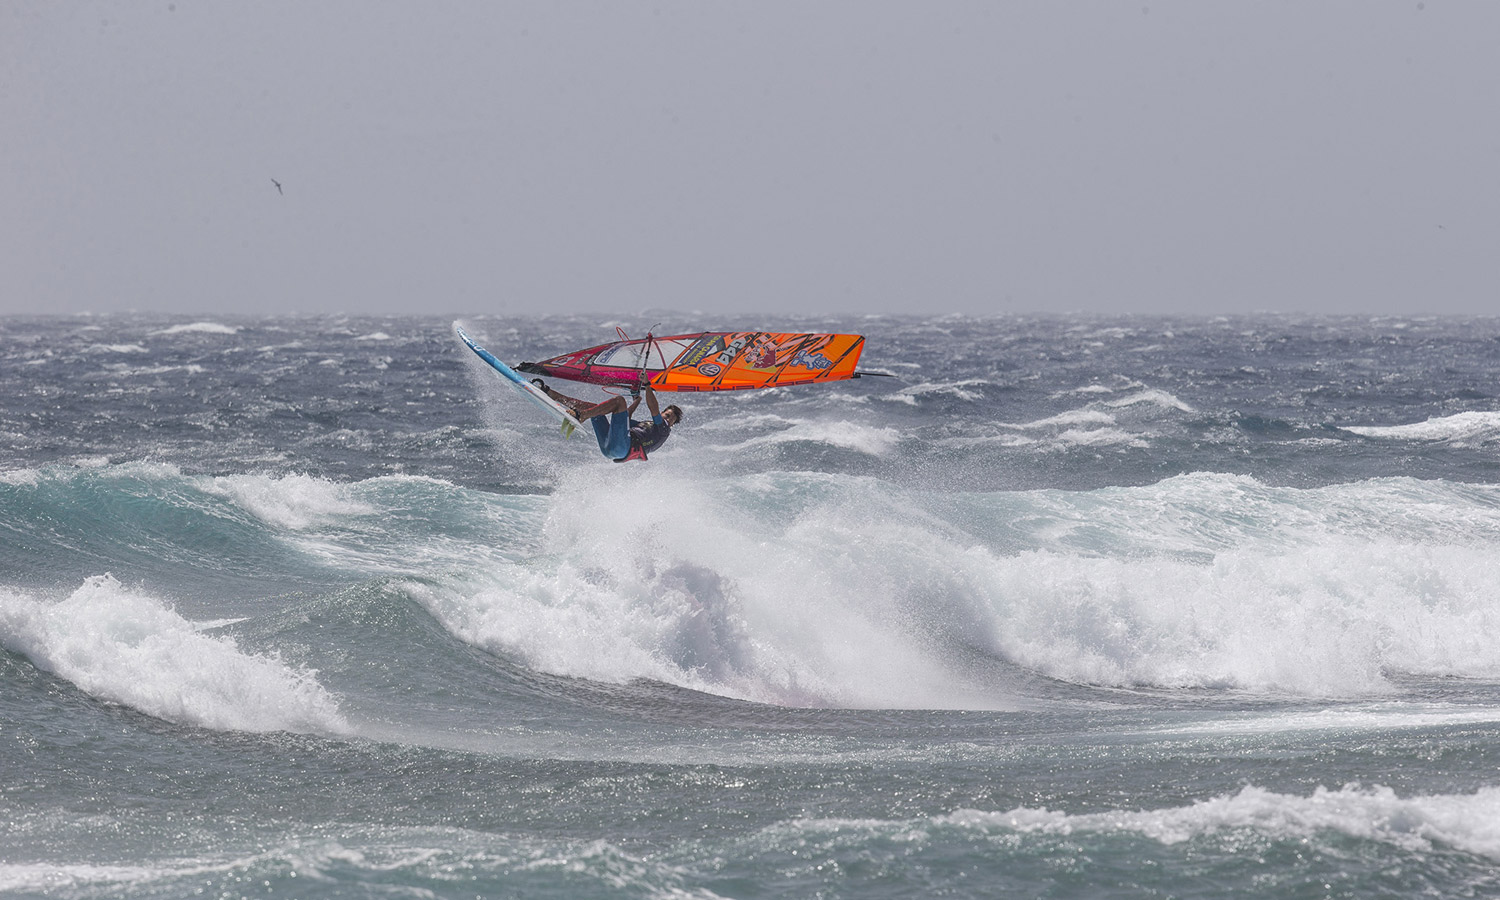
(343, 854)
(125, 647)
(731, 595)
(292, 501)
(21, 477)
(374, 336)
(1218, 581)
(1073, 417)
(987, 440)
(1085, 427)
(832, 590)
(199, 328)
(1466, 822)
(959, 389)
(1098, 437)
(1461, 430)
(140, 371)
(1097, 423)
(1153, 397)
(745, 422)
(865, 439)
(606, 611)
(41, 878)
(1355, 717)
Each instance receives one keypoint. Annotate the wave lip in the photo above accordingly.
(127, 648)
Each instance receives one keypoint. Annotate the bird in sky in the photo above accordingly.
(278, 187)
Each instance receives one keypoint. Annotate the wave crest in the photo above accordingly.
(127, 648)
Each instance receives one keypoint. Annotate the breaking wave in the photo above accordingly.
(1466, 429)
(122, 646)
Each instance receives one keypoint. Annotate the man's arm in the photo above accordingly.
(651, 402)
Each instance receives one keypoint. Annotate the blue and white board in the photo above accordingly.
(528, 390)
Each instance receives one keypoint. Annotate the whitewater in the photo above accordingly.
(1068, 606)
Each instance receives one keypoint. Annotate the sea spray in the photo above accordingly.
(725, 589)
(787, 588)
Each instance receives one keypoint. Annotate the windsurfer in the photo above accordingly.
(620, 437)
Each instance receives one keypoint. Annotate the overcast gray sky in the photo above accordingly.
(494, 157)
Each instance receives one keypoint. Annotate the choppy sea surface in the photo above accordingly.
(1068, 607)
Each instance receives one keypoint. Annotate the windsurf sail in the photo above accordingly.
(711, 361)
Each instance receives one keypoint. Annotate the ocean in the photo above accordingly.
(1070, 606)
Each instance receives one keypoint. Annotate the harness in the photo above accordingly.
(636, 452)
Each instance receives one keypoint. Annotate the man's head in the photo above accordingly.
(672, 414)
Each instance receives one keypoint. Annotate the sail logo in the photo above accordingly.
(701, 351)
(811, 360)
(735, 346)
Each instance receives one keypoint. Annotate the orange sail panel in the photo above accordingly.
(711, 361)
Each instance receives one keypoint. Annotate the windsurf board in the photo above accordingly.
(528, 390)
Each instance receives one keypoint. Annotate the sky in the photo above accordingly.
(825, 157)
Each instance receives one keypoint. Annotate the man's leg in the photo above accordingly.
(612, 405)
(583, 410)
(613, 433)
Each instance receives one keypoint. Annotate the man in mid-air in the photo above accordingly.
(621, 438)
